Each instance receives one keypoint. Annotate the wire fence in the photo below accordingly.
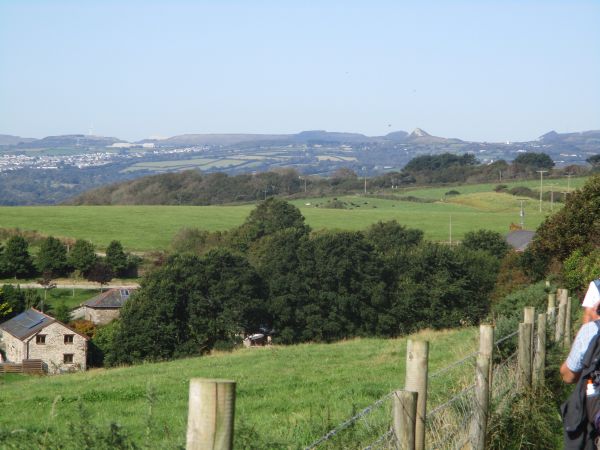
(451, 405)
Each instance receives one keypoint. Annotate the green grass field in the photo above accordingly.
(286, 396)
(70, 297)
(147, 228)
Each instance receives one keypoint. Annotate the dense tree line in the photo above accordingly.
(273, 273)
(575, 228)
(195, 188)
(54, 260)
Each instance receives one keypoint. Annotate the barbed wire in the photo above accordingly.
(506, 338)
(439, 408)
(367, 410)
(347, 423)
(454, 364)
(388, 434)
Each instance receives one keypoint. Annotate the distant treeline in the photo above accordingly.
(196, 188)
(273, 273)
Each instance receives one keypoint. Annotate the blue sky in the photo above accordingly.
(479, 70)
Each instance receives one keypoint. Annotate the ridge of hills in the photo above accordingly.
(418, 136)
(56, 168)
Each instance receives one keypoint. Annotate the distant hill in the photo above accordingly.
(70, 140)
(587, 141)
(7, 139)
(419, 136)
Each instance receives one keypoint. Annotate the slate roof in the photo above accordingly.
(27, 323)
(520, 239)
(113, 298)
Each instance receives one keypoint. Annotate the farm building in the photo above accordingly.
(105, 307)
(34, 335)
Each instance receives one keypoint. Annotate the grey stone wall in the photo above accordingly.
(53, 350)
(101, 316)
(14, 348)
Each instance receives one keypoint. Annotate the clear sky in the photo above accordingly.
(478, 70)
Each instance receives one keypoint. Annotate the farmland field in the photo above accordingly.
(286, 396)
(146, 228)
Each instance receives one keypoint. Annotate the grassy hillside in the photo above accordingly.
(286, 396)
(152, 227)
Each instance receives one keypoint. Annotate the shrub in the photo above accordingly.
(521, 191)
(579, 269)
(489, 241)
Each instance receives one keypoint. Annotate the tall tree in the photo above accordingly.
(82, 256)
(268, 217)
(487, 240)
(189, 305)
(534, 160)
(16, 260)
(52, 257)
(574, 227)
(101, 272)
(116, 258)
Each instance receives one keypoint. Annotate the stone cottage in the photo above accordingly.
(105, 307)
(35, 335)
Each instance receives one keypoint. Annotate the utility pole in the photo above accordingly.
(552, 198)
(569, 182)
(450, 230)
(304, 178)
(541, 172)
(522, 213)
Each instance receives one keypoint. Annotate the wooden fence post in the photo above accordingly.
(539, 362)
(562, 295)
(525, 332)
(551, 314)
(482, 387)
(210, 414)
(560, 323)
(486, 345)
(482, 397)
(404, 419)
(417, 366)
(567, 336)
(529, 317)
(528, 314)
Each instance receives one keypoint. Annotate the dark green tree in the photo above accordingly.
(444, 287)
(62, 313)
(268, 217)
(82, 256)
(100, 273)
(52, 257)
(346, 289)
(189, 305)
(487, 240)
(594, 161)
(535, 161)
(116, 258)
(390, 237)
(574, 227)
(16, 260)
(13, 299)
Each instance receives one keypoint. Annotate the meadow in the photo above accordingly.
(286, 396)
(70, 297)
(145, 228)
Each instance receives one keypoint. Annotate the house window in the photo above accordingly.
(69, 338)
(40, 339)
(68, 358)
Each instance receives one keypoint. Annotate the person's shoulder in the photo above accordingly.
(589, 330)
(593, 325)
